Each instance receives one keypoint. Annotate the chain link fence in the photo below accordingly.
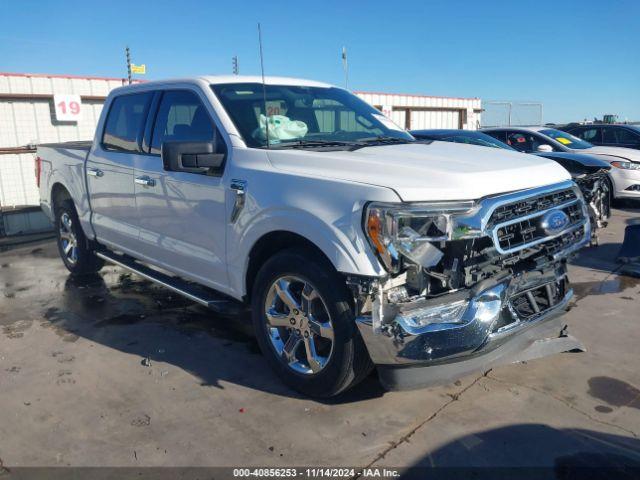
(504, 113)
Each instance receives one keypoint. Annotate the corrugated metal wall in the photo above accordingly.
(422, 111)
(27, 118)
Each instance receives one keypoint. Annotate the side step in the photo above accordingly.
(204, 296)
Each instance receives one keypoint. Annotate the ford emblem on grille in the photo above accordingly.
(554, 222)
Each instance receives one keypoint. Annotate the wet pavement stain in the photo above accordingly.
(123, 319)
(17, 328)
(142, 421)
(603, 409)
(614, 392)
(58, 321)
(62, 358)
(113, 299)
(65, 378)
(11, 290)
(617, 284)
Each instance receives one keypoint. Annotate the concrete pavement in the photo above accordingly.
(76, 387)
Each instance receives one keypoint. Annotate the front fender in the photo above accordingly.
(340, 242)
(325, 211)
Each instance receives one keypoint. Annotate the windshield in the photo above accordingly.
(566, 139)
(303, 115)
(477, 138)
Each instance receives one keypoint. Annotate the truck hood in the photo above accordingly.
(427, 172)
(620, 152)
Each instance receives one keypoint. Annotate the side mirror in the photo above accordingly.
(191, 157)
(544, 148)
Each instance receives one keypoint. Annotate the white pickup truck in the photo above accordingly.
(354, 244)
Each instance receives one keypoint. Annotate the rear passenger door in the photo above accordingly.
(182, 215)
(110, 169)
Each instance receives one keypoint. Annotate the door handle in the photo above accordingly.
(95, 172)
(146, 181)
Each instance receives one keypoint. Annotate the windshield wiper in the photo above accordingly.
(386, 140)
(314, 143)
(383, 139)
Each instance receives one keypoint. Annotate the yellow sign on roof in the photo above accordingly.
(139, 69)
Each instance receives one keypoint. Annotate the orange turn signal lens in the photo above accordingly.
(374, 229)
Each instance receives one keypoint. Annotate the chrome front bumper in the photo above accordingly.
(496, 321)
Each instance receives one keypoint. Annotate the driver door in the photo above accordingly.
(182, 215)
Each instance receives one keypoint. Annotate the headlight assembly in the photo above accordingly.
(409, 230)
(626, 165)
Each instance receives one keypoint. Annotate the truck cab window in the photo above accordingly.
(292, 114)
(125, 121)
(181, 118)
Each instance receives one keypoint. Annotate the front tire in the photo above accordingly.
(73, 246)
(305, 325)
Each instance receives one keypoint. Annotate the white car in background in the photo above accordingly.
(625, 174)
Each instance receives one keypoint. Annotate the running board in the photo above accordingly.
(202, 295)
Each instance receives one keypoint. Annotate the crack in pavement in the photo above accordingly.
(565, 402)
(405, 438)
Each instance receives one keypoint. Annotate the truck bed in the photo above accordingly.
(63, 164)
(75, 145)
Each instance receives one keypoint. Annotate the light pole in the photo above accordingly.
(128, 53)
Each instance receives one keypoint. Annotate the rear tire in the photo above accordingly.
(310, 338)
(73, 246)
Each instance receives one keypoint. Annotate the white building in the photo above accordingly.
(416, 112)
(28, 117)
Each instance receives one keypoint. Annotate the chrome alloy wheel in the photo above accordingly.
(299, 325)
(68, 239)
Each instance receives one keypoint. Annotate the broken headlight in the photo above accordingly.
(410, 230)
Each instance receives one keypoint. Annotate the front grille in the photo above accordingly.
(529, 230)
(528, 206)
(564, 241)
(535, 301)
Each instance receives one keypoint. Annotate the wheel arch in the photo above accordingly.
(59, 193)
(270, 244)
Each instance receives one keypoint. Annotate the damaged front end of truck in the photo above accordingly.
(470, 284)
(597, 195)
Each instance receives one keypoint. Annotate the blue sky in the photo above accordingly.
(581, 58)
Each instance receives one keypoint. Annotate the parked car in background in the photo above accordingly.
(590, 173)
(352, 243)
(624, 176)
(470, 137)
(627, 136)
